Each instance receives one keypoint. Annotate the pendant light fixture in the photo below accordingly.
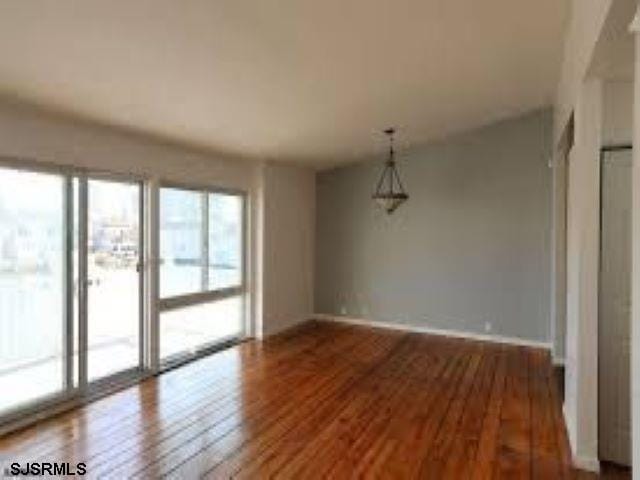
(390, 193)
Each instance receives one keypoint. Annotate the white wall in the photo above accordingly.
(583, 30)
(585, 24)
(617, 112)
(288, 246)
(617, 115)
(287, 193)
(577, 93)
(28, 133)
(583, 203)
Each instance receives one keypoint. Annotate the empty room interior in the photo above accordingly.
(297, 239)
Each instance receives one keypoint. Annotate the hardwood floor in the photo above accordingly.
(324, 400)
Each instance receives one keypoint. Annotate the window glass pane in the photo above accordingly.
(187, 329)
(225, 241)
(113, 321)
(180, 242)
(32, 286)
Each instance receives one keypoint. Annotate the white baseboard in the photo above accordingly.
(570, 437)
(558, 361)
(588, 464)
(434, 331)
(280, 327)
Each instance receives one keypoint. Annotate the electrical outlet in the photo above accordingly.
(487, 327)
(343, 310)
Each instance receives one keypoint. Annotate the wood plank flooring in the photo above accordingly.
(323, 401)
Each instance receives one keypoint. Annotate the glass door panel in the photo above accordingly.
(32, 287)
(113, 278)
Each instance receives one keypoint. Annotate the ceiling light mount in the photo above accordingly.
(390, 193)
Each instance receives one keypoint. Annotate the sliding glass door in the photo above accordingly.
(73, 289)
(114, 278)
(33, 287)
(70, 283)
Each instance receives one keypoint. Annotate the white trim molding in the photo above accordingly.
(635, 302)
(588, 464)
(558, 361)
(434, 331)
(581, 462)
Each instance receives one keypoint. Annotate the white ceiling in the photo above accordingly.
(299, 80)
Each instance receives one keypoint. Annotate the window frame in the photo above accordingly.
(193, 298)
(206, 294)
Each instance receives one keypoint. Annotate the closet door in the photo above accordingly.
(615, 309)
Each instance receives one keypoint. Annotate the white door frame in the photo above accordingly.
(635, 276)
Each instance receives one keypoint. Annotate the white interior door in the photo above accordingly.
(615, 309)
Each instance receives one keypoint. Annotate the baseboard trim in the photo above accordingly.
(558, 361)
(565, 417)
(588, 464)
(434, 331)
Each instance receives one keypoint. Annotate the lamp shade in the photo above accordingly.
(390, 193)
(390, 201)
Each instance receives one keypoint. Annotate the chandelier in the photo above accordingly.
(390, 193)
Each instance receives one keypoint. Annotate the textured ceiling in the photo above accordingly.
(298, 80)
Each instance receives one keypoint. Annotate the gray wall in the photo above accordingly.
(470, 251)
